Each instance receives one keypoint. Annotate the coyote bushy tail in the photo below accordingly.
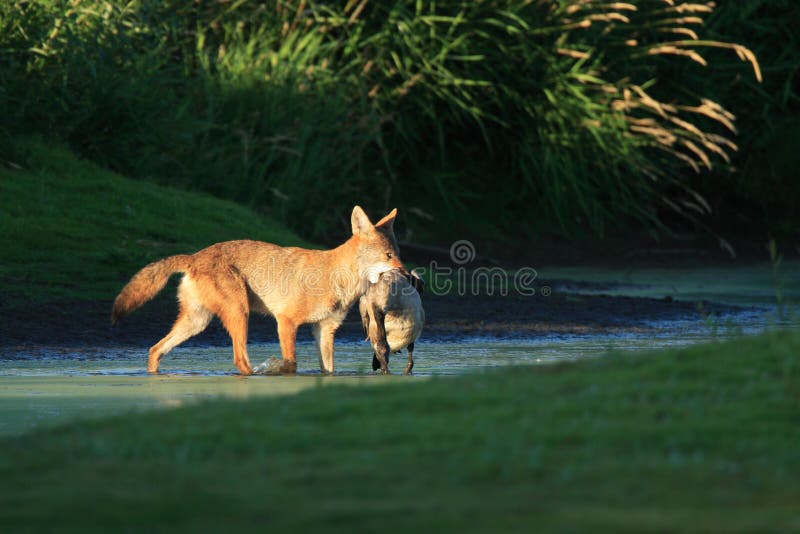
(146, 284)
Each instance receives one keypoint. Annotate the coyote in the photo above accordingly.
(392, 316)
(295, 285)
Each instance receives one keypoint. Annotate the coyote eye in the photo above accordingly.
(388, 255)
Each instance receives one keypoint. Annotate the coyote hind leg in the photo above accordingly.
(235, 323)
(225, 294)
(193, 318)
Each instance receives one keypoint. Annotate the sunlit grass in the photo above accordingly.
(703, 438)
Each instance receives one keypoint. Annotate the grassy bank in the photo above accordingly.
(698, 439)
(69, 229)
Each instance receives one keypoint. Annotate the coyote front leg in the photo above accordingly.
(324, 333)
(287, 335)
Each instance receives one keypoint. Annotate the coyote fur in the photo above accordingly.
(295, 285)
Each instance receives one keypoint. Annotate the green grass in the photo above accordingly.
(701, 439)
(69, 229)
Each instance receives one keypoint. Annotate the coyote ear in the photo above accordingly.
(360, 222)
(388, 221)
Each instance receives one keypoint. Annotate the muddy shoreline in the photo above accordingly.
(449, 318)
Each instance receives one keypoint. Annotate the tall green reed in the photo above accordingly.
(527, 115)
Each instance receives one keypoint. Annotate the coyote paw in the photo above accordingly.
(289, 367)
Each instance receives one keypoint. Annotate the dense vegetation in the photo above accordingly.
(699, 439)
(526, 115)
(763, 194)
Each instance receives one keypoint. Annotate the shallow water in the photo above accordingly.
(745, 285)
(48, 385)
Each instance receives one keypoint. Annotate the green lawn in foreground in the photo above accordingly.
(704, 438)
(70, 229)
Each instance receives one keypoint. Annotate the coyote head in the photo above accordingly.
(377, 250)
